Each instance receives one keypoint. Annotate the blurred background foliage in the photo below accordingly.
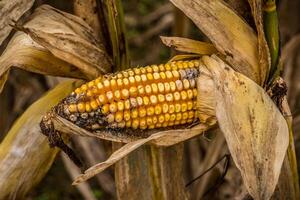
(145, 21)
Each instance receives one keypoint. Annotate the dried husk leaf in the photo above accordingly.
(3, 79)
(160, 138)
(256, 132)
(24, 53)
(264, 58)
(11, 10)
(69, 38)
(189, 46)
(25, 146)
(231, 36)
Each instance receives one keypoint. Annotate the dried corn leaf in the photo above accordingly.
(69, 38)
(264, 58)
(228, 32)
(3, 79)
(24, 53)
(25, 146)
(189, 46)
(164, 138)
(11, 10)
(256, 132)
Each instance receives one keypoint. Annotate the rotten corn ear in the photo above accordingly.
(140, 98)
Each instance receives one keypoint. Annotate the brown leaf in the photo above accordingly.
(24, 53)
(255, 130)
(11, 10)
(69, 38)
(25, 155)
(228, 32)
(188, 45)
(264, 58)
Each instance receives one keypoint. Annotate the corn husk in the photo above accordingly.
(256, 132)
(25, 156)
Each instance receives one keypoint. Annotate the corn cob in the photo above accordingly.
(140, 98)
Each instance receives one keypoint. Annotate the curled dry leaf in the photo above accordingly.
(24, 146)
(263, 50)
(189, 46)
(24, 53)
(11, 11)
(256, 132)
(231, 36)
(69, 38)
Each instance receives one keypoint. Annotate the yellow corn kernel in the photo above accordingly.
(179, 85)
(167, 87)
(149, 77)
(165, 108)
(151, 126)
(144, 77)
(89, 93)
(131, 80)
(120, 105)
(171, 108)
(100, 86)
(172, 86)
(162, 75)
(195, 92)
(176, 122)
(117, 95)
(126, 115)
(125, 74)
(161, 118)
(179, 65)
(191, 114)
(137, 71)
(182, 73)
(183, 95)
(190, 94)
(156, 76)
(127, 104)
(124, 94)
(190, 105)
(186, 84)
(128, 124)
(130, 73)
(125, 82)
(191, 64)
(106, 84)
(119, 116)
(154, 119)
(105, 109)
(175, 74)
(157, 125)
(176, 96)
(84, 87)
(143, 123)
(169, 75)
(142, 112)
(161, 98)
(94, 105)
(167, 117)
(172, 117)
(183, 107)
(158, 109)
(169, 97)
(177, 107)
(113, 107)
(120, 83)
(134, 113)
(161, 68)
(110, 96)
(150, 110)
(160, 87)
(81, 107)
(146, 100)
(153, 99)
(149, 121)
(148, 89)
(78, 91)
(133, 91)
(72, 108)
(154, 88)
(135, 123)
(174, 66)
(141, 90)
(171, 123)
(113, 83)
(110, 118)
(149, 69)
(143, 70)
(121, 124)
(185, 115)
(165, 124)
(155, 68)
(139, 101)
(138, 79)
(168, 67)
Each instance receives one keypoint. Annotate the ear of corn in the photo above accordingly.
(140, 98)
